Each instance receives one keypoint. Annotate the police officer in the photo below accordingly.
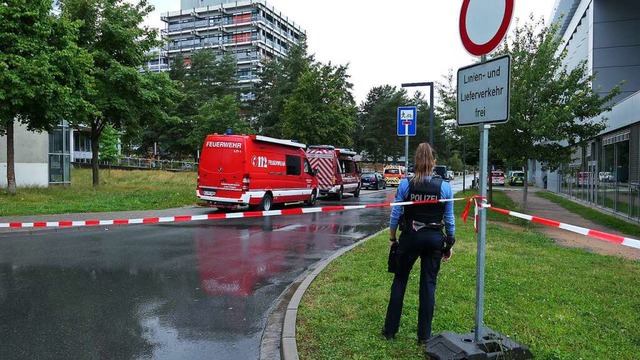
(422, 237)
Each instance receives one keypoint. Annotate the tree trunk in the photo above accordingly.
(525, 189)
(11, 163)
(95, 151)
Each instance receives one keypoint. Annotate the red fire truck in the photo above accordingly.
(254, 170)
(337, 170)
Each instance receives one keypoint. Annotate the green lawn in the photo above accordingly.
(118, 190)
(562, 303)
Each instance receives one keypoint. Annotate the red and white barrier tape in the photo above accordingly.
(626, 241)
(215, 216)
(617, 239)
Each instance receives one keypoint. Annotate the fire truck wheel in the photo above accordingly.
(266, 203)
(312, 199)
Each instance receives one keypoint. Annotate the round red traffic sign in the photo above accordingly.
(484, 24)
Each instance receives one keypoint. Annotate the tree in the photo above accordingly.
(112, 35)
(463, 139)
(109, 142)
(378, 116)
(218, 116)
(321, 109)
(278, 79)
(43, 71)
(553, 107)
(209, 84)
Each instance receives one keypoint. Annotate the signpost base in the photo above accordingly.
(494, 345)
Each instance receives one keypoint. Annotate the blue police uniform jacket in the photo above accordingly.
(403, 194)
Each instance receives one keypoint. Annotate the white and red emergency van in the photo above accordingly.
(393, 174)
(254, 170)
(337, 170)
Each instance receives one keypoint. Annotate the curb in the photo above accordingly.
(289, 347)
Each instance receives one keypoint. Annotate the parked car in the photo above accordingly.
(584, 178)
(440, 171)
(449, 175)
(372, 180)
(497, 177)
(517, 178)
(605, 176)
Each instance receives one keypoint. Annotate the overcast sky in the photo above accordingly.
(384, 42)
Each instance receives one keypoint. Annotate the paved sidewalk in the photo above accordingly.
(544, 208)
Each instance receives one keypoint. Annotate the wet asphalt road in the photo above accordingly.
(195, 290)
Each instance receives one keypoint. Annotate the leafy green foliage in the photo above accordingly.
(208, 103)
(109, 144)
(42, 71)
(550, 103)
(321, 109)
(299, 98)
(377, 125)
(218, 116)
(553, 107)
(111, 34)
(278, 79)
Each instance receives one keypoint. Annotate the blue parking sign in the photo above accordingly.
(407, 118)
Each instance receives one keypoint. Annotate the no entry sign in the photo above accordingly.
(484, 23)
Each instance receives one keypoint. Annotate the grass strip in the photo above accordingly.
(119, 190)
(595, 216)
(562, 303)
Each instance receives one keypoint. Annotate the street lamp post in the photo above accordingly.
(430, 85)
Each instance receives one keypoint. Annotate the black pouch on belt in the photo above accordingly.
(392, 262)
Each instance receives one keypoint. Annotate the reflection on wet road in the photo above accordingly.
(198, 290)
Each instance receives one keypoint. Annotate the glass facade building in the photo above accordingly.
(605, 171)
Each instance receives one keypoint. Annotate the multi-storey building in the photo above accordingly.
(249, 29)
(605, 171)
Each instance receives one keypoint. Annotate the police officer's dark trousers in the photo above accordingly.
(426, 244)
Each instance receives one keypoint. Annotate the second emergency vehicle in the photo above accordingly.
(254, 170)
(393, 174)
(337, 170)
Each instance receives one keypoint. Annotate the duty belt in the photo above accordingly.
(417, 225)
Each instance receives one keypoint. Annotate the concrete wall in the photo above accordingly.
(616, 45)
(31, 157)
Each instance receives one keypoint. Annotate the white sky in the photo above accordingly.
(384, 42)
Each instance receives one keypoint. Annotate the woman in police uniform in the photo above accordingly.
(422, 237)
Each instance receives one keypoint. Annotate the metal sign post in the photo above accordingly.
(482, 98)
(407, 118)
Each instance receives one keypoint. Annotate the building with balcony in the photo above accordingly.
(605, 172)
(251, 30)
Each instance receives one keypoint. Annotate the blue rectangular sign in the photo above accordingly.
(407, 119)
